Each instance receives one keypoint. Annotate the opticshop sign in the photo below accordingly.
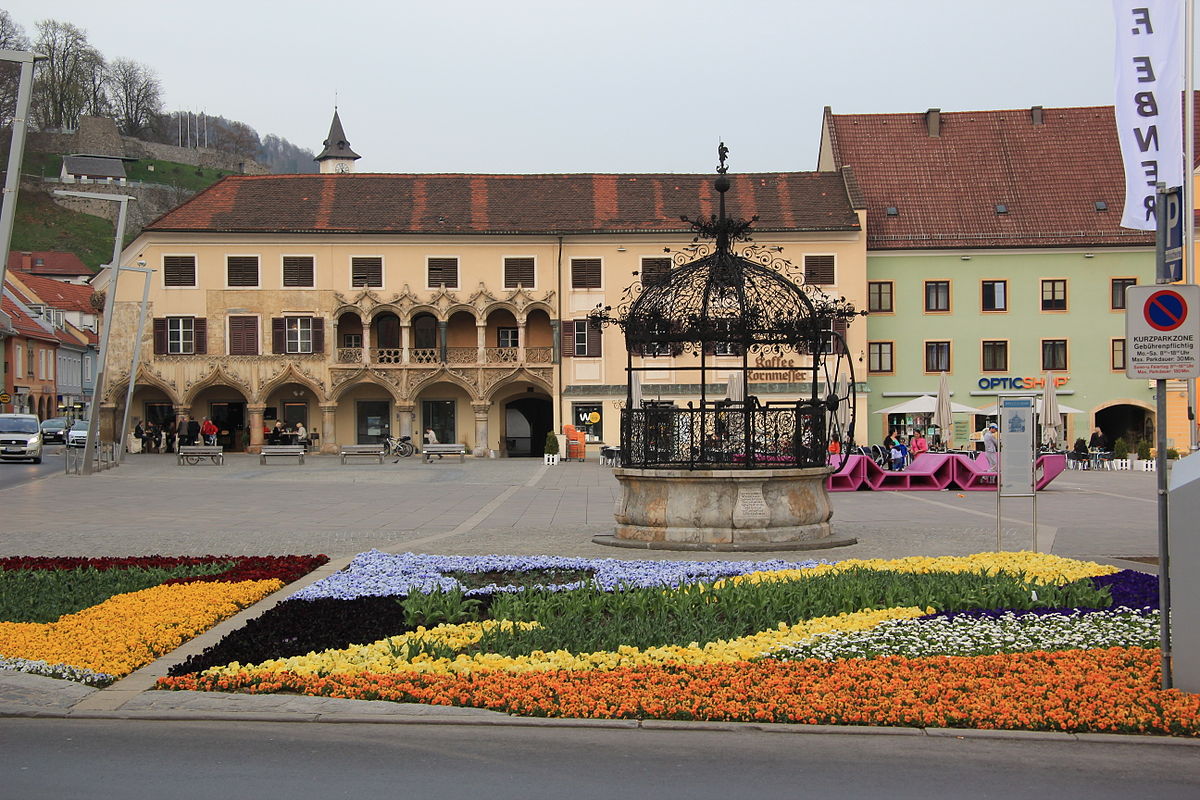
(1010, 383)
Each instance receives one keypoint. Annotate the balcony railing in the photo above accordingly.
(501, 355)
(462, 355)
(539, 355)
(454, 355)
(349, 355)
(425, 355)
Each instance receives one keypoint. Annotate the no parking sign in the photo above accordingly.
(1162, 332)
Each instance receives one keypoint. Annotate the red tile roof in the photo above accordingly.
(51, 263)
(24, 325)
(56, 294)
(946, 188)
(372, 203)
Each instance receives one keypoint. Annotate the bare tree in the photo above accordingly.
(62, 87)
(12, 37)
(136, 95)
(96, 101)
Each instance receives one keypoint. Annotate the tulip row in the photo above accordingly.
(1114, 690)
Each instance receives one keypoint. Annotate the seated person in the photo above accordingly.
(276, 434)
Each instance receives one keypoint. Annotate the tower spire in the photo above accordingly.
(337, 155)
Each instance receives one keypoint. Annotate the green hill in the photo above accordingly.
(41, 224)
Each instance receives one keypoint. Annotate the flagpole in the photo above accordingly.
(1189, 186)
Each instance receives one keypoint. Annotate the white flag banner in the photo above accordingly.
(1149, 83)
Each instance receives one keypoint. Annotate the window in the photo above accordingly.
(937, 356)
(654, 271)
(1054, 295)
(351, 340)
(507, 337)
(241, 270)
(1054, 354)
(243, 336)
(18, 354)
(367, 271)
(179, 270)
(580, 339)
(181, 334)
(879, 297)
(995, 296)
(1119, 285)
(442, 272)
(585, 273)
(819, 270)
(1117, 348)
(298, 271)
(879, 357)
(995, 356)
(937, 295)
(589, 418)
(518, 272)
(299, 334)
(657, 348)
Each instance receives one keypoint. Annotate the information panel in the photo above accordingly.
(1017, 429)
(1162, 332)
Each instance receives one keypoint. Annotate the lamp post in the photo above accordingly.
(137, 354)
(89, 455)
(16, 150)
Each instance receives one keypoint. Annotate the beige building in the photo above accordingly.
(372, 304)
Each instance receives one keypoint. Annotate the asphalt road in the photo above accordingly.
(15, 473)
(125, 759)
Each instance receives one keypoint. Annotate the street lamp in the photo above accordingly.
(137, 354)
(16, 149)
(89, 456)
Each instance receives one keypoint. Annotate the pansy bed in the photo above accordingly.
(994, 640)
(94, 620)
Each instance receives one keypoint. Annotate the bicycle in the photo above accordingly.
(400, 447)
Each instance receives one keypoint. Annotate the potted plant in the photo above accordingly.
(551, 450)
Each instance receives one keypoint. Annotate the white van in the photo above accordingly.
(20, 437)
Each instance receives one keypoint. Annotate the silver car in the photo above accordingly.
(20, 437)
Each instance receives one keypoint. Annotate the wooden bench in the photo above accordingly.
(362, 450)
(431, 450)
(282, 450)
(194, 453)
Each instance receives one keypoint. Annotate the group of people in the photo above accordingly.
(900, 454)
(163, 438)
(281, 434)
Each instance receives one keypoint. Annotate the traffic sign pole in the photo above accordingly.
(1162, 312)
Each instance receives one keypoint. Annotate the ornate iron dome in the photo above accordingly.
(715, 301)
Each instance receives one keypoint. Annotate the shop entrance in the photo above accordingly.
(526, 423)
(1128, 422)
(373, 418)
(230, 419)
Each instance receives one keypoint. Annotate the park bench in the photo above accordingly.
(281, 450)
(363, 451)
(431, 450)
(195, 453)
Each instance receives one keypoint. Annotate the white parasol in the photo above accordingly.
(1051, 416)
(943, 417)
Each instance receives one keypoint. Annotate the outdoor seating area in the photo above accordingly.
(931, 472)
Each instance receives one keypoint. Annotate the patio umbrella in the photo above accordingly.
(943, 417)
(926, 404)
(735, 389)
(1051, 417)
(990, 411)
(635, 378)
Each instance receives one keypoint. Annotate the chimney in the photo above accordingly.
(933, 121)
(1035, 114)
(26, 261)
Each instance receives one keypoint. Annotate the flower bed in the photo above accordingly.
(124, 630)
(1010, 640)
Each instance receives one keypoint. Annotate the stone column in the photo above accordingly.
(405, 340)
(521, 341)
(441, 333)
(368, 341)
(404, 419)
(328, 438)
(108, 421)
(481, 428)
(254, 420)
(555, 339)
(481, 343)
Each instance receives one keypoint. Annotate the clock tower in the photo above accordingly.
(337, 157)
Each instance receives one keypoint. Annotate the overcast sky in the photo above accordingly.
(599, 86)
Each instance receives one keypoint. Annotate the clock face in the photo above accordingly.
(342, 167)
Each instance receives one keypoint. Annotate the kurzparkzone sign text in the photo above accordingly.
(1162, 332)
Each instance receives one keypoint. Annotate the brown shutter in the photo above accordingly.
(443, 271)
(585, 273)
(200, 335)
(318, 335)
(179, 271)
(594, 335)
(297, 271)
(160, 336)
(241, 270)
(818, 270)
(839, 326)
(567, 347)
(243, 336)
(366, 271)
(655, 270)
(278, 335)
(518, 272)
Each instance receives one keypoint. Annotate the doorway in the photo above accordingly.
(526, 423)
(372, 422)
(439, 415)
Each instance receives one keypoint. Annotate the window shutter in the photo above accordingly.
(297, 271)
(837, 345)
(242, 270)
(594, 335)
(318, 334)
(585, 273)
(243, 336)
(366, 271)
(517, 272)
(278, 335)
(179, 271)
(567, 345)
(443, 271)
(160, 336)
(818, 269)
(655, 270)
(200, 332)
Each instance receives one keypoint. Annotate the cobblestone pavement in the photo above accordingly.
(150, 505)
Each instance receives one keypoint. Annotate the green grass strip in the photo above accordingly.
(46, 595)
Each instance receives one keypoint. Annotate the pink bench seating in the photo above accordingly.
(928, 472)
(932, 472)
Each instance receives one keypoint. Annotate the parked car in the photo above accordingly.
(20, 437)
(77, 435)
(55, 430)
